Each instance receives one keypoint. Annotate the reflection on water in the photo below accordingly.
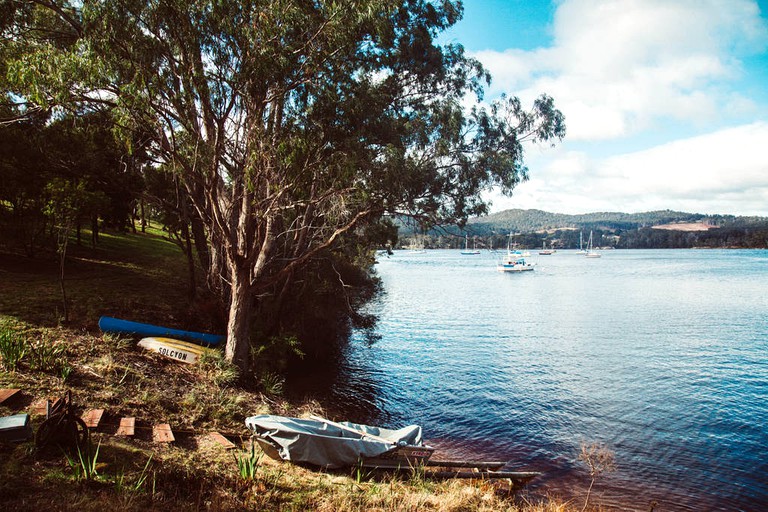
(658, 354)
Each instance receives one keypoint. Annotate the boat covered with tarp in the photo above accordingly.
(329, 444)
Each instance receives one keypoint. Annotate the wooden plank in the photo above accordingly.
(465, 464)
(223, 441)
(5, 394)
(162, 433)
(517, 476)
(127, 427)
(92, 418)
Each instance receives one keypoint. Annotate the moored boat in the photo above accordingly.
(467, 251)
(513, 261)
(546, 252)
(591, 253)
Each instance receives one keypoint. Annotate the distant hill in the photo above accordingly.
(656, 229)
(533, 221)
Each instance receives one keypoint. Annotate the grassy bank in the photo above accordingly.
(144, 277)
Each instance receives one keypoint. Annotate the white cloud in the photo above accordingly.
(721, 172)
(617, 67)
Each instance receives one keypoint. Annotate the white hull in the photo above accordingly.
(174, 349)
(514, 268)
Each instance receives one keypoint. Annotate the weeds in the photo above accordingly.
(272, 383)
(218, 369)
(137, 485)
(599, 460)
(248, 463)
(65, 371)
(84, 465)
(46, 356)
(13, 348)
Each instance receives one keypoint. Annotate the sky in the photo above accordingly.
(665, 101)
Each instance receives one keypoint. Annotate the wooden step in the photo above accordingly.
(92, 418)
(223, 441)
(6, 394)
(162, 433)
(127, 427)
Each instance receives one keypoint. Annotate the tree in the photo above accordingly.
(290, 124)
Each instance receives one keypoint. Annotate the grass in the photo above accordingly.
(143, 277)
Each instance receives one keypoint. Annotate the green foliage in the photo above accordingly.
(271, 383)
(135, 485)
(65, 370)
(47, 356)
(13, 348)
(218, 370)
(291, 127)
(84, 462)
(248, 463)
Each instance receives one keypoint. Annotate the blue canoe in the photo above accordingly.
(118, 326)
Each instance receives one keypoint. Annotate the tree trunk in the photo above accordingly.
(201, 241)
(190, 261)
(238, 324)
(143, 216)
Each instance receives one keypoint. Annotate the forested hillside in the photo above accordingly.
(657, 229)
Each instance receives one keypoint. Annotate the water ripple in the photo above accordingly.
(658, 354)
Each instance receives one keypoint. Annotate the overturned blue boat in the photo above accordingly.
(118, 326)
(331, 445)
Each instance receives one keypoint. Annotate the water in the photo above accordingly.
(658, 355)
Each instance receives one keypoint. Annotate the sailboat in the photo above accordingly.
(590, 251)
(581, 244)
(546, 252)
(513, 261)
(467, 251)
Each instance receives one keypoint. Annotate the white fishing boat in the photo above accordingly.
(591, 253)
(513, 262)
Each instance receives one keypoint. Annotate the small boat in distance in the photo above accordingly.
(467, 251)
(513, 262)
(546, 252)
(581, 244)
(590, 251)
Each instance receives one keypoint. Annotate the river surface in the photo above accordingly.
(659, 355)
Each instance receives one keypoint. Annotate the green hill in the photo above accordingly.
(656, 229)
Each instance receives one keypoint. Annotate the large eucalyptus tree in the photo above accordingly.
(290, 123)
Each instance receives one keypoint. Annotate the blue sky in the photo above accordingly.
(666, 101)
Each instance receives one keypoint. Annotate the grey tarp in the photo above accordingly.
(323, 444)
